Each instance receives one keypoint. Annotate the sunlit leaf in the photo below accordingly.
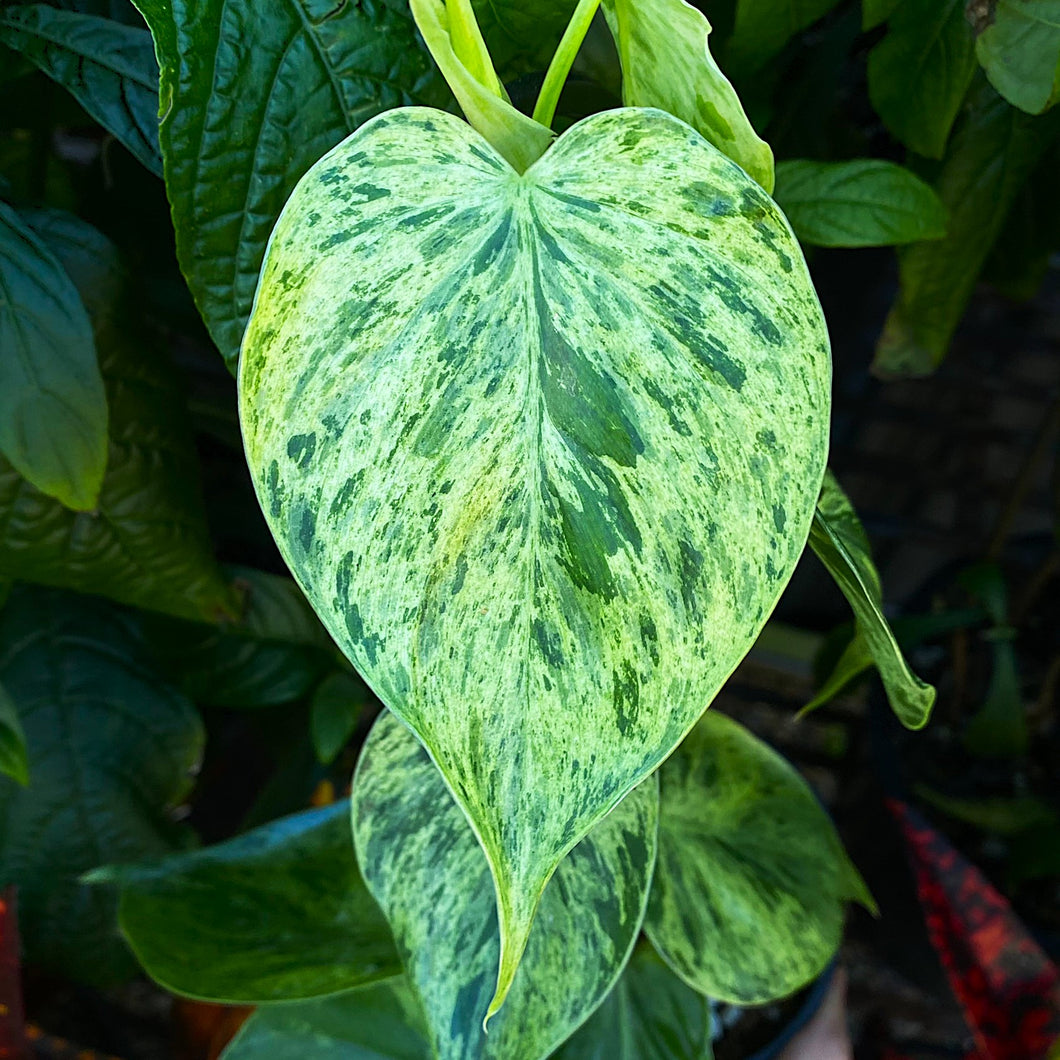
(866, 202)
(542, 450)
(841, 544)
(279, 913)
(747, 903)
(666, 63)
(423, 863)
(109, 69)
(53, 409)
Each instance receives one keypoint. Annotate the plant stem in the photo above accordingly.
(559, 68)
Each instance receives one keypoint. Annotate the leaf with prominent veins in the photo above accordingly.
(541, 449)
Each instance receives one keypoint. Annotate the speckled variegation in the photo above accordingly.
(542, 449)
(424, 866)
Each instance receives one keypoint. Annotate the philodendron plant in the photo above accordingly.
(540, 425)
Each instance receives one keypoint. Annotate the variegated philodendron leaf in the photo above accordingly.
(424, 866)
(842, 545)
(666, 63)
(542, 449)
(747, 901)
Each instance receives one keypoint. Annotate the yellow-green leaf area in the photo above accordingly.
(542, 449)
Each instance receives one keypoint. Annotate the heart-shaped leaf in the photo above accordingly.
(110, 69)
(747, 903)
(112, 749)
(541, 449)
(379, 1022)
(423, 864)
(280, 913)
(53, 409)
(841, 544)
(252, 94)
(650, 1015)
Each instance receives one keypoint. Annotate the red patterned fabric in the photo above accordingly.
(12, 1034)
(1007, 986)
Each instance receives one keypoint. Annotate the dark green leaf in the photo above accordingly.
(840, 542)
(763, 27)
(280, 913)
(863, 203)
(109, 68)
(293, 77)
(424, 864)
(112, 750)
(522, 37)
(336, 709)
(747, 902)
(53, 408)
(650, 1015)
(276, 653)
(147, 542)
(380, 1022)
(990, 158)
(919, 72)
(1004, 816)
(13, 760)
(876, 12)
(1020, 51)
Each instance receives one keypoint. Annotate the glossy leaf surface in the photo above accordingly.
(379, 1022)
(146, 543)
(53, 409)
(110, 69)
(294, 76)
(1020, 51)
(112, 749)
(841, 544)
(14, 762)
(422, 862)
(920, 71)
(666, 63)
(992, 154)
(747, 903)
(650, 1015)
(279, 913)
(548, 450)
(866, 202)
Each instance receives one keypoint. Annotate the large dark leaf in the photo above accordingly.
(993, 153)
(53, 409)
(146, 543)
(109, 68)
(280, 913)
(111, 750)
(252, 94)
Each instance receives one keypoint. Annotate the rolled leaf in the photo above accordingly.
(53, 409)
(542, 450)
(112, 750)
(866, 202)
(747, 903)
(424, 865)
(840, 542)
(1020, 51)
(110, 69)
(666, 63)
(280, 913)
(294, 79)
